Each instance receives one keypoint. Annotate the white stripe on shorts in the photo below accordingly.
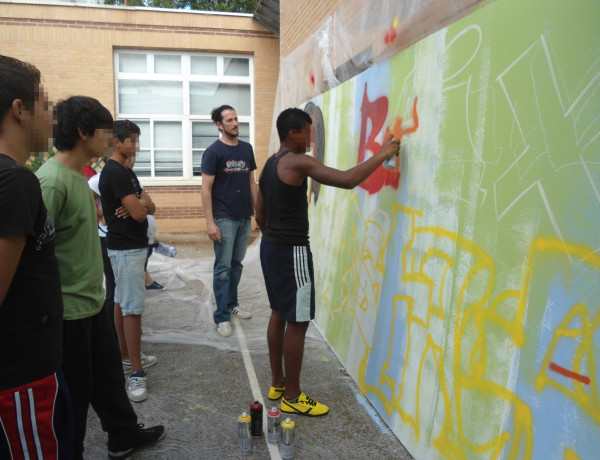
(36, 436)
(301, 266)
(20, 425)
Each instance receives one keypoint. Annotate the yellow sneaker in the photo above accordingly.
(276, 392)
(304, 406)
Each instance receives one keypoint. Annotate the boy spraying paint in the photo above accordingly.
(286, 259)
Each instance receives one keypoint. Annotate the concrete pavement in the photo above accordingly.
(203, 382)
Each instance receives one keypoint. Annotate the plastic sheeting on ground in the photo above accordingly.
(183, 312)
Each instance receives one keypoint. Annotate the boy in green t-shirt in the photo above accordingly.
(91, 362)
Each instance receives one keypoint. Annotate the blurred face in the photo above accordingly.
(129, 146)
(99, 142)
(42, 122)
(302, 138)
(230, 124)
(130, 162)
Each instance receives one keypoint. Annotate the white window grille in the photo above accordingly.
(170, 96)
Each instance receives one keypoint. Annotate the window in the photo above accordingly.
(170, 96)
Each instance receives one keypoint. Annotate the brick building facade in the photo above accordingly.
(76, 47)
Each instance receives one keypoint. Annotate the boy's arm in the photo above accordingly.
(308, 166)
(211, 227)
(11, 248)
(261, 217)
(147, 201)
(136, 207)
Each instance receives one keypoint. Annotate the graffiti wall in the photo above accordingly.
(462, 291)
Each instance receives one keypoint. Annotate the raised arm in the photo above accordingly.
(308, 166)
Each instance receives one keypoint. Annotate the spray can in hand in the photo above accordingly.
(390, 163)
(256, 417)
(273, 426)
(244, 432)
(288, 439)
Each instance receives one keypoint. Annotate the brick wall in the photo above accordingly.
(299, 20)
(178, 208)
(73, 47)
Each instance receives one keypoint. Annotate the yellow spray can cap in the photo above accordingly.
(287, 424)
(244, 417)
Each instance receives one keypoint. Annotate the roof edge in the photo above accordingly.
(126, 8)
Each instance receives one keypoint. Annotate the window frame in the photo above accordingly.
(186, 118)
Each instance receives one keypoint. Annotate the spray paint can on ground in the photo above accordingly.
(256, 417)
(273, 426)
(244, 432)
(288, 439)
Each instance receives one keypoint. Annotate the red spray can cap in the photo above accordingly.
(255, 405)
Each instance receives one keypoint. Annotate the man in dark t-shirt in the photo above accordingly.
(228, 197)
(34, 403)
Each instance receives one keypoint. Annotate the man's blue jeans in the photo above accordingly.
(227, 271)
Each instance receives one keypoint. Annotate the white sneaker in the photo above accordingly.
(147, 361)
(241, 313)
(224, 329)
(136, 390)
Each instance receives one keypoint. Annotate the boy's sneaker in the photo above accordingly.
(304, 406)
(224, 329)
(276, 392)
(155, 287)
(136, 389)
(241, 313)
(143, 438)
(147, 361)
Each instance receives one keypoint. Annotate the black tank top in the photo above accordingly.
(286, 206)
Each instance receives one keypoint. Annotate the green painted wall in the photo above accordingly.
(463, 294)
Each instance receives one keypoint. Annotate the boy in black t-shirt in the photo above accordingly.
(127, 247)
(34, 402)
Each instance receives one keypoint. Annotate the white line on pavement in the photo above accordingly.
(256, 394)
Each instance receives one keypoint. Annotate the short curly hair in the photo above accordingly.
(79, 112)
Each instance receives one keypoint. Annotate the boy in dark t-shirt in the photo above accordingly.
(127, 247)
(285, 256)
(34, 402)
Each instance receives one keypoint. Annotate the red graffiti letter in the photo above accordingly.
(376, 112)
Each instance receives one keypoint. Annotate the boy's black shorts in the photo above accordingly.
(289, 278)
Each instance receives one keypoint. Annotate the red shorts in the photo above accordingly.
(36, 420)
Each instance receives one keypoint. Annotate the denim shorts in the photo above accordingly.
(128, 267)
